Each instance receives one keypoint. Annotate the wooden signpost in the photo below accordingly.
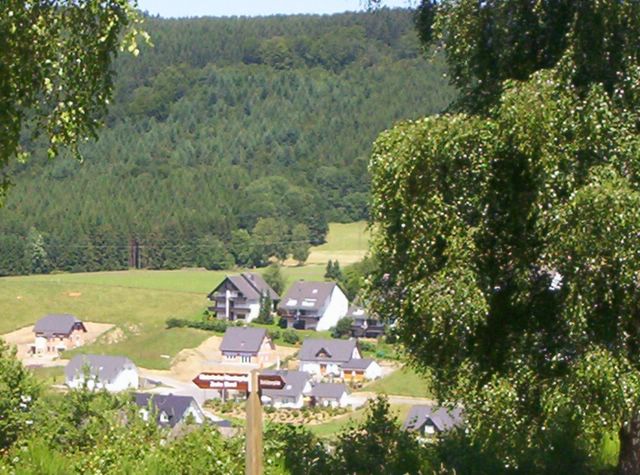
(253, 384)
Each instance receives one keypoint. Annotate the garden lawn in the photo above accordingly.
(402, 382)
(333, 428)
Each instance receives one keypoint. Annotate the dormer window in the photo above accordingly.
(322, 353)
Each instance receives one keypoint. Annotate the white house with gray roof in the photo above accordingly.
(326, 357)
(169, 410)
(112, 373)
(330, 395)
(238, 297)
(313, 305)
(361, 369)
(429, 421)
(297, 388)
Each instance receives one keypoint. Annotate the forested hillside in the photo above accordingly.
(229, 141)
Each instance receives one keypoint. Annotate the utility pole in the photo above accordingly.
(253, 450)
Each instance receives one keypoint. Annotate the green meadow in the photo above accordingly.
(402, 382)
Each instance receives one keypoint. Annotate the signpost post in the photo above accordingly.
(252, 384)
(253, 451)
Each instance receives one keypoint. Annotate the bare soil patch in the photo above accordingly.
(189, 362)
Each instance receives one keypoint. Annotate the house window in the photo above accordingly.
(246, 359)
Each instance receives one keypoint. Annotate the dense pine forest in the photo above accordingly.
(229, 141)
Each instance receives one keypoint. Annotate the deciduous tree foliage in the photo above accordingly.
(508, 242)
(488, 42)
(55, 71)
(19, 393)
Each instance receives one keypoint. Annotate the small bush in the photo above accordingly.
(342, 328)
(366, 346)
(274, 334)
(176, 323)
(282, 323)
(291, 337)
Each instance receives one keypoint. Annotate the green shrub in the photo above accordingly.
(176, 323)
(342, 328)
(366, 346)
(274, 334)
(291, 337)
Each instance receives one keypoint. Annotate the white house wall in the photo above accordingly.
(127, 379)
(337, 308)
(313, 368)
(374, 371)
(254, 311)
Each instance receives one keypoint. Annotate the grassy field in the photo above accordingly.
(348, 243)
(139, 302)
(198, 281)
(402, 382)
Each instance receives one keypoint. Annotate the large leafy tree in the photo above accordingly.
(55, 71)
(488, 42)
(507, 234)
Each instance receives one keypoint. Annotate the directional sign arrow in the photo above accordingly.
(270, 381)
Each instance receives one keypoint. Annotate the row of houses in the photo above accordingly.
(117, 373)
(306, 305)
(321, 358)
(325, 367)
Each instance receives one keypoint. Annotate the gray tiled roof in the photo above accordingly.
(295, 382)
(260, 284)
(56, 324)
(357, 363)
(328, 390)
(172, 405)
(303, 295)
(441, 418)
(250, 285)
(332, 350)
(105, 367)
(243, 339)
